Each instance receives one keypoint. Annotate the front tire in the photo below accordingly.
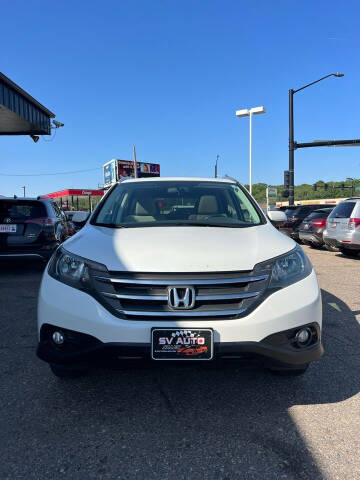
(349, 253)
(67, 371)
(331, 248)
(317, 246)
(285, 371)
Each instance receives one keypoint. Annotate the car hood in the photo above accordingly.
(179, 249)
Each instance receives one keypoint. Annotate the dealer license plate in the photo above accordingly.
(7, 228)
(182, 344)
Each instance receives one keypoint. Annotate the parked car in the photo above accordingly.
(312, 228)
(343, 227)
(70, 213)
(295, 216)
(79, 219)
(30, 227)
(137, 283)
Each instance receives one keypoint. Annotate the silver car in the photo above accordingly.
(343, 227)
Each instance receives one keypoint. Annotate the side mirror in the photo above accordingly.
(80, 217)
(276, 217)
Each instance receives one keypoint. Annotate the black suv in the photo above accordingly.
(295, 218)
(312, 228)
(30, 227)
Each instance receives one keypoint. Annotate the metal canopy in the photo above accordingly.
(20, 113)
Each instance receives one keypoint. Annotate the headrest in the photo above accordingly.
(144, 209)
(208, 205)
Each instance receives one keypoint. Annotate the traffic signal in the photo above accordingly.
(315, 187)
(285, 193)
(325, 186)
(286, 179)
(342, 186)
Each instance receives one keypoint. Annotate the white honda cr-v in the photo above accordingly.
(179, 269)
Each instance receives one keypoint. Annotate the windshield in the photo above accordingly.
(160, 203)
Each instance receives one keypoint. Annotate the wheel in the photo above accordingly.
(331, 248)
(315, 245)
(67, 371)
(348, 252)
(300, 370)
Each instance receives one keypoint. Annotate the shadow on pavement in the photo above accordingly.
(227, 421)
(204, 421)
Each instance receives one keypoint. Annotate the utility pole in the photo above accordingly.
(216, 165)
(135, 164)
(24, 188)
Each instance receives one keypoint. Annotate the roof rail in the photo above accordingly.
(231, 178)
(352, 198)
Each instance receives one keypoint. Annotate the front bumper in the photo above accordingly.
(78, 348)
(289, 308)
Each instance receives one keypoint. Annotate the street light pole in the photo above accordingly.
(249, 112)
(24, 188)
(292, 143)
(250, 152)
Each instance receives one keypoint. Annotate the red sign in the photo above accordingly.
(75, 192)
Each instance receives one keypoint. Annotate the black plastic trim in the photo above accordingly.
(91, 350)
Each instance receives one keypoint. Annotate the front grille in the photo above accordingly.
(144, 296)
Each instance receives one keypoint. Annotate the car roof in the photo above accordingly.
(179, 179)
(30, 199)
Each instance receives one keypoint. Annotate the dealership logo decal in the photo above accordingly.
(181, 298)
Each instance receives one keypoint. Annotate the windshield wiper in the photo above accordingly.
(201, 224)
(109, 225)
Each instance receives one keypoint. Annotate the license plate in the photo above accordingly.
(182, 344)
(7, 228)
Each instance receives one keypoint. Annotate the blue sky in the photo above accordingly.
(168, 76)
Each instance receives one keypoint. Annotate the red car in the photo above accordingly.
(190, 351)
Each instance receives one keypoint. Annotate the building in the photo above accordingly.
(77, 199)
(20, 113)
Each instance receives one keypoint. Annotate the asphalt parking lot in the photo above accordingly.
(185, 422)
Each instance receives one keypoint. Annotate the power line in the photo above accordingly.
(45, 174)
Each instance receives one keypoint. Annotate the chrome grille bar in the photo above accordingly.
(229, 296)
(182, 313)
(198, 297)
(135, 297)
(219, 281)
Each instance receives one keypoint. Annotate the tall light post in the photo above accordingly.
(249, 112)
(292, 143)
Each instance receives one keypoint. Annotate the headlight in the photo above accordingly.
(287, 269)
(72, 269)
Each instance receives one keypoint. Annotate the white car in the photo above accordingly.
(142, 279)
(343, 227)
